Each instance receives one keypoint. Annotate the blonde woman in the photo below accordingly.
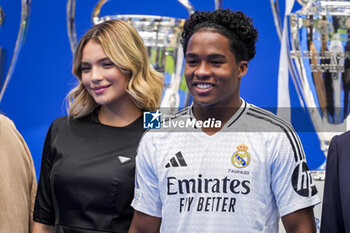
(87, 173)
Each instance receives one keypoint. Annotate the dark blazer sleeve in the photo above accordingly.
(44, 208)
(332, 214)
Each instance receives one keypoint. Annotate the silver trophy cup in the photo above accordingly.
(318, 59)
(320, 45)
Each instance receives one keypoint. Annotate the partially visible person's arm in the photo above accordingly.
(42, 228)
(332, 211)
(143, 223)
(17, 179)
(300, 221)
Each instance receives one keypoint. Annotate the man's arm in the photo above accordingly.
(143, 223)
(300, 221)
(332, 214)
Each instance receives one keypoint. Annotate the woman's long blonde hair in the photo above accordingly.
(124, 46)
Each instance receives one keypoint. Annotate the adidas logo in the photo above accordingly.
(177, 161)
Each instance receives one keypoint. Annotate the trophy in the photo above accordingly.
(5, 77)
(320, 45)
(161, 36)
(318, 52)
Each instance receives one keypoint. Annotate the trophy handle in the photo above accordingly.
(25, 15)
(72, 34)
(218, 4)
(96, 12)
(189, 7)
(277, 19)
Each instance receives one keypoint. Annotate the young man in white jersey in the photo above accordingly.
(241, 171)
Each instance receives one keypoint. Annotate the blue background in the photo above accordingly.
(42, 77)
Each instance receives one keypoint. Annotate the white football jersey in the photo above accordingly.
(241, 179)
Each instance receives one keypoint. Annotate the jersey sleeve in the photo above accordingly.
(43, 208)
(146, 195)
(292, 184)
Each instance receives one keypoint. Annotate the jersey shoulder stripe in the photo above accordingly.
(283, 125)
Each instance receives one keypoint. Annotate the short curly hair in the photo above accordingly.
(235, 26)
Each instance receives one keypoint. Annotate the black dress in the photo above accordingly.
(87, 176)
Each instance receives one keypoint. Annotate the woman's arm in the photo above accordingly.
(42, 228)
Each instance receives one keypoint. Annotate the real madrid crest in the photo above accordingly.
(241, 157)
